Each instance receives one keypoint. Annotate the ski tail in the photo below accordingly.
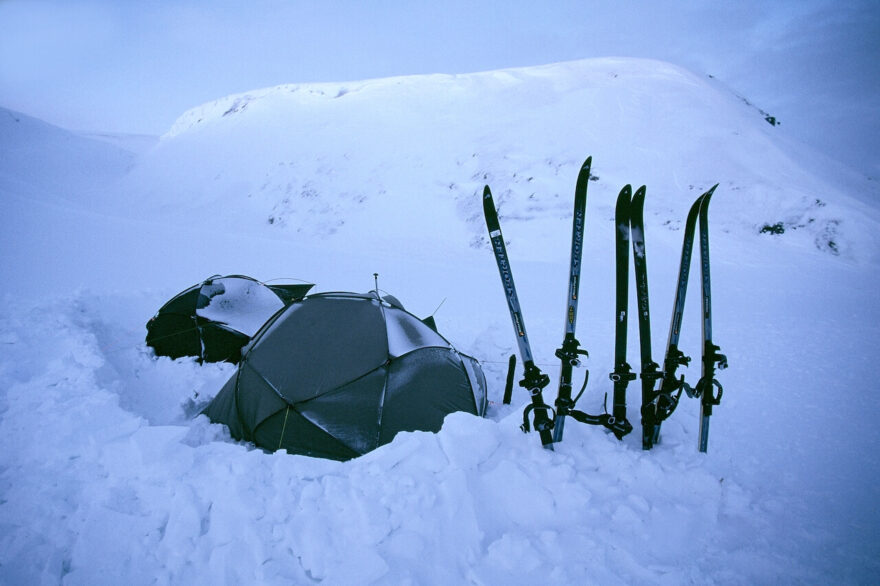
(508, 386)
(533, 380)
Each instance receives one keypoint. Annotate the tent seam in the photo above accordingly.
(387, 371)
(283, 427)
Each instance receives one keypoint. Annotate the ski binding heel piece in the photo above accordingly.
(651, 372)
(623, 372)
(713, 356)
(677, 358)
(534, 381)
(570, 353)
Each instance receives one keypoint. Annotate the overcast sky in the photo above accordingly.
(127, 66)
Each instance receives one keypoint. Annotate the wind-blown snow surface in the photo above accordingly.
(108, 476)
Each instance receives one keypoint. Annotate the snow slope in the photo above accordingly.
(107, 476)
(41, 159)
(321, 159)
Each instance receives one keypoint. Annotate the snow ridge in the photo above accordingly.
(329, 160)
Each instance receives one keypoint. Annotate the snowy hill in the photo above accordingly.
(328, 158)
(107, 476)
(39, 158)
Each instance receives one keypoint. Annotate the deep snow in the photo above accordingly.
(107, 475)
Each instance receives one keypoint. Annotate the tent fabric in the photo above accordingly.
(335, 375)
(214, 319)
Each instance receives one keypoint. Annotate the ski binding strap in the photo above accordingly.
(619, 427)
(664, 403)
(705, 391)
(541, 423)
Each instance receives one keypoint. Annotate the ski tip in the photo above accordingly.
(489, 211)
(638, 199)
(704, 200)
(621, 209)
(583, 179)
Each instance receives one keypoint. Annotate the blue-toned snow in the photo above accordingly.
(241, 304)
(108, 476)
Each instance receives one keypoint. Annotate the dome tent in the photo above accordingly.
(213, 319)
(336, 375)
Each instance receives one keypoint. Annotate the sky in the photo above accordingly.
(134, 67)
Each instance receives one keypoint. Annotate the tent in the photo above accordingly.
(215, 318)
(336, 375)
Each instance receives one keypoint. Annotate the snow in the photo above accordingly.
(239, 303)
(108, 474)
(406, 334)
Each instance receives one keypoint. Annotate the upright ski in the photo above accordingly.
(533, 379)
(708, 389)
(570, 352)
(622, 373)
(667, 396)
(650, 371)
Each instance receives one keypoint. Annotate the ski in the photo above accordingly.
(708, 389)
(533, 379)
(622, 374)
(667, 396)
(650, 370)
(569, 354)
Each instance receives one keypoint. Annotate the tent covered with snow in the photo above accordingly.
(214, 319)
(336, 375)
